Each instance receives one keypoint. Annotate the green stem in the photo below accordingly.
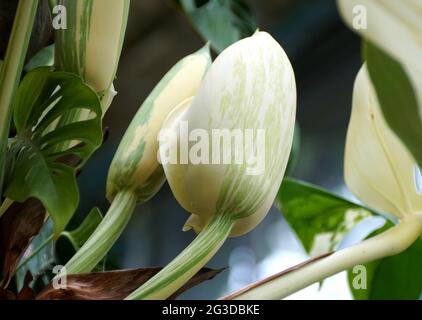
(35, 252)
(187, 263)
(388, 243)
(106, 234)
(19, 37)
(12, 68)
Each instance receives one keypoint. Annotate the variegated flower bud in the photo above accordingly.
(135, 165)
(246, 108)
(91, 44)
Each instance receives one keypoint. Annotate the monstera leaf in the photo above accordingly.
(43, 145)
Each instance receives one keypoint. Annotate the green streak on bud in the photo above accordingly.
(135, 165)
(91, 45)
(250, 85)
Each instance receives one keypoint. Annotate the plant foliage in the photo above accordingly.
(42, 146)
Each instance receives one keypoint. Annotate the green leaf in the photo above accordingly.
(397, 98)
(222, 22)
(71, 241)
(319, 218)
(360, 293)
(39, 256)
(79, 236)
(392, 278)
(399, 277)
(41, 168)
(43, 58)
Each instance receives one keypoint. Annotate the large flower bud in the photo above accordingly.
(239, 130)
(91, 44)
(135, 165)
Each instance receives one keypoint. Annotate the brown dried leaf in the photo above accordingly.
(26, 293)
(113, 285)
(18, 226)
(7, 295)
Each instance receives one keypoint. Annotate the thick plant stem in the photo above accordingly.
(12, 68)
(187, 263)
(391, 242)
(106, 234)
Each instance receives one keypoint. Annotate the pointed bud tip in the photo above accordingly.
(206, 49)
(186, 228)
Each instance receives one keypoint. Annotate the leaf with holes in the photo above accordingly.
(42, 143)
